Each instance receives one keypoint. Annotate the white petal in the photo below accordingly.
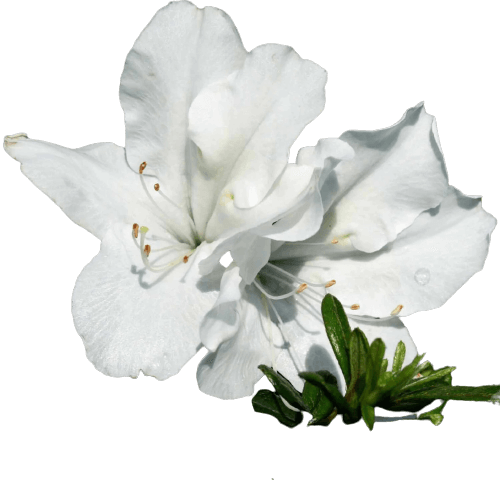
(223, 320)
(132, 320)
(231, 372)
(396, 174)
(296, 184)
(182, 50)
(325, 156)
(292, 209)
(251, 253)
(244, 127)
(93, 185)
(421, 270)
(391, 331)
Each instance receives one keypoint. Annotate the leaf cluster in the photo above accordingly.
(369, 383)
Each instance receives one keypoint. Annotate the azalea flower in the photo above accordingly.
(395, 239)
(208, 130)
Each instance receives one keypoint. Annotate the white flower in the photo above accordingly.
(208, 130)
(395, 237)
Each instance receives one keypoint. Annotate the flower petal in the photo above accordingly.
(181, 51)
(132, 320)
(244, 127)
(231, 372)
(93, 185)
(223, 320)
(325, 156)
(396, 174)
(421, 270)
(291, 210)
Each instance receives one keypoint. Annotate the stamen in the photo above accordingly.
(147, 250)
(302, 288)
(157, 187)
(397, 310)
(142, 166)
(290, 275)
(355, 307)
(277, 297)
(185, 259)
(334, 241)
(135, 229)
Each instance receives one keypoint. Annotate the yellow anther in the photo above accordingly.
(397, 310)
(330, 283)
(144, 229)
(147, 250)
(157, 187)
(334, 241)
(301, 288)
(355, 307)
(142, 166)
(135, 229)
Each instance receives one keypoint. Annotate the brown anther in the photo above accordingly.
(334, 241)
(185, 259)
(301, 288)
(330, 283)
(157, 187)
(147, 250)
(355, 307)
(418, 375)
(397, 310)
(135, 229)
(142, 166)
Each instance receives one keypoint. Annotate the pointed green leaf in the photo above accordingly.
(375, 359)
(330, 390)
(358, 352)
(284, 387)
(324, 421)
(404, 376)
(399, 357)
(270, 403)
(383, 368)
(320, 405)
(368, 413)
(338, 332)
(447, 392)
(426, 381)
(426, 369)
(435, 415)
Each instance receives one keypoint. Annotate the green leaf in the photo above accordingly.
(284, 387)
(435, 415)
(368, 413)
(399, 357)
(320, 405)
(429, 380)
(324, 421)
(376, 359)
(338, 332)
(358, 352)
(383, 368)
(404, 376)
(447, 392)
(270, 403)
(330, 390)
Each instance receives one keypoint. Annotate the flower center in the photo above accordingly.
(182, 251)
